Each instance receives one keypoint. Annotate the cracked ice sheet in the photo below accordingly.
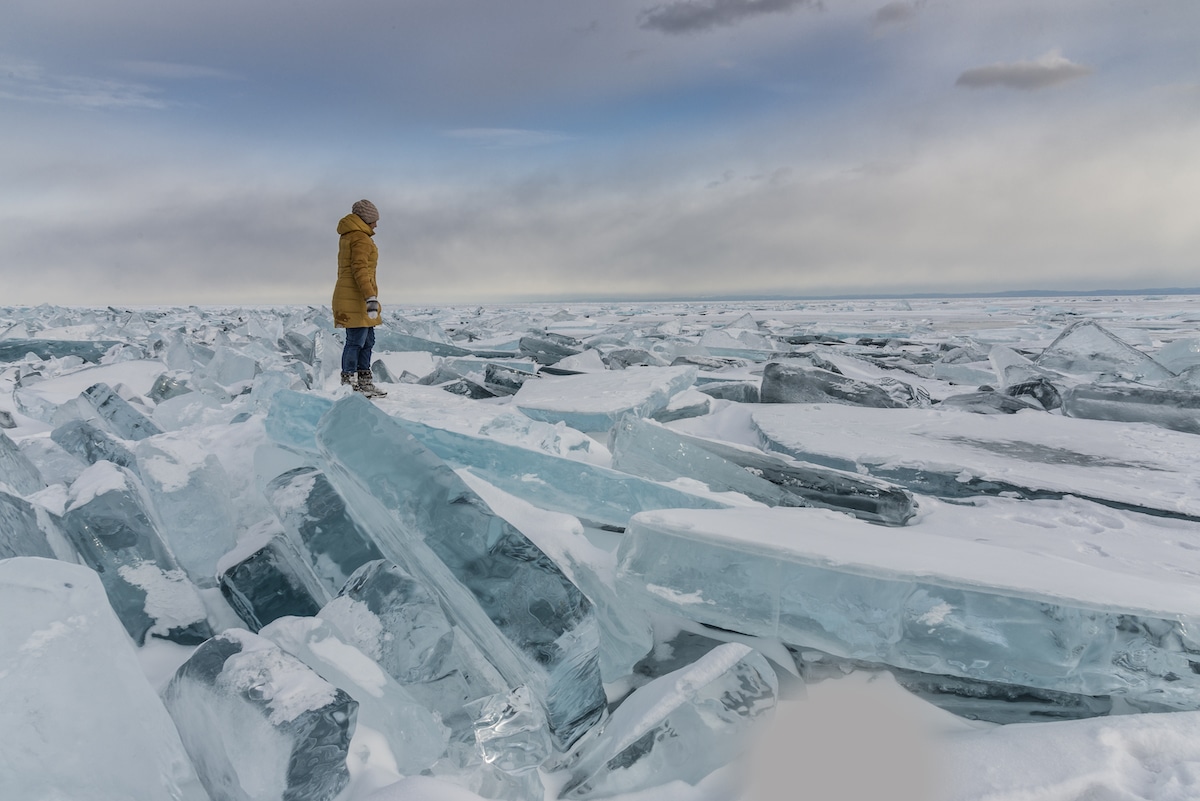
(1130, 463)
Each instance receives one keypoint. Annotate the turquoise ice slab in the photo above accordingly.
(1060, 595)
(526, 617)
(590, 492)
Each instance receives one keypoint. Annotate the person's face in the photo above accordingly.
(373, 224)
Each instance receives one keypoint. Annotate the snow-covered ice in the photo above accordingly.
(1032, 461)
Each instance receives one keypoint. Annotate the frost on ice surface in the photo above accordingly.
(80, 719)
(109, 525)
(595, 401)
(259, 723)
(190, 491)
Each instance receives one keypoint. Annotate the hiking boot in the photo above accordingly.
(366, 385)
(350, 380)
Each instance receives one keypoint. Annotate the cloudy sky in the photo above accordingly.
(179, 151)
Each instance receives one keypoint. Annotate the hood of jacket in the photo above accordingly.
(351, 223)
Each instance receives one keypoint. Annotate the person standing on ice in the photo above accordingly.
(356, 296)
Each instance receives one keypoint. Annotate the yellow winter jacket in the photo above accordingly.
(357, 258)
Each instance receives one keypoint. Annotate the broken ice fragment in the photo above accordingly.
(91, 444)
(547, 348)
(679, 727)
(530, 622)
(990, 403)
(12, 350)
(107, 523)
(190, 492)
(946, 454)
(926, 598)
(80, 718)
(590, 492)
(595, 401)
(293, 418)
(660, 453)
(1041, 389)
(415, 736)
(397, 621)
(260, 724)
(266, 580)
(16, 470)
(511, 732)
(1178, 410)
(1088, 349)
(20, 533)
(786, 383)
(316, 518)
(118, 416)
(736, 391)
(166, 387)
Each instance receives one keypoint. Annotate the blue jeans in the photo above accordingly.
(356, 355)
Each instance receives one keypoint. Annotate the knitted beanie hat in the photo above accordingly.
(366, 211)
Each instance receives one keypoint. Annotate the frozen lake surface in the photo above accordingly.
(926, 549)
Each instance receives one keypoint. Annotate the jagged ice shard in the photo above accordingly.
(80, 720)
(267, 578)
(20, 532)
(107, 522)
(117, 413)
(592, 493)
(1175, 409)
(1086, 348)
(315, 516)
(398, 622)
(16, 471)
(260, 724)
(680, 726)
(91, 444)
(937, 599)
(534, 626)
(190, 492)
(413, 733)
